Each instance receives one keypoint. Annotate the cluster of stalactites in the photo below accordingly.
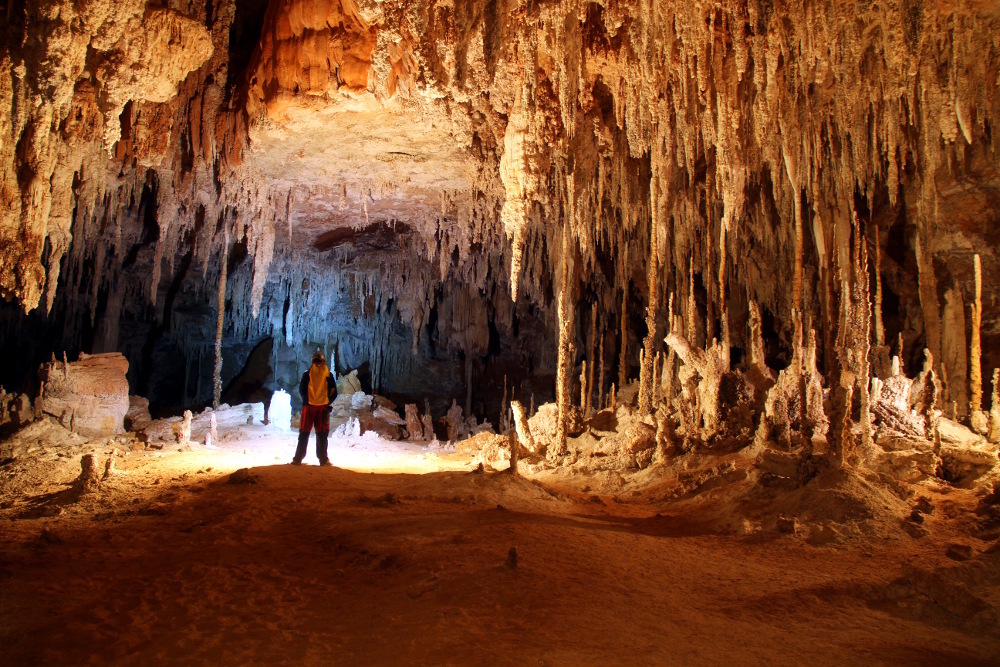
(63, 88)
(734, 106)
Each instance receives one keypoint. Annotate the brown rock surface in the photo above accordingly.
(89, 396)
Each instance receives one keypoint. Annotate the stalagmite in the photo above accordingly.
(928, 297)
(797, 271)
(600, 374)
(994, 434)
(589, 363)
(955, 365)
(862, 304)
(709, 365)
(88, 480)
(778, 420)
(881, 358)
(565, 312)
(841, 439)
(977, 417)
(877, 310)
(653, 285)
(691, 314)
(468, 384)
(522, 428)
(515, 451)
(219, 323)
(755, 344)
(623, 343)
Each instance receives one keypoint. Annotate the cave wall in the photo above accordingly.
(415, 184)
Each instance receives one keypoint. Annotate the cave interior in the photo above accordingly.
(606, 287)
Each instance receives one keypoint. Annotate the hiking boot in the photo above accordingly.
(326, 464)
(296, 463)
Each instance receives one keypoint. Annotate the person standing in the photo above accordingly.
(317, 389)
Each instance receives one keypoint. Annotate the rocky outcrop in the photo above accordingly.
(89, 396)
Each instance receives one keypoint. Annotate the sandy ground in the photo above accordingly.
(400, 555)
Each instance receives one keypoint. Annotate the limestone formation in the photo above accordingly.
(89, 479)
(137, 417)
(89, 396)
(414, 426)
(523, 429)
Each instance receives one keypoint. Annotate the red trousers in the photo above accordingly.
(314, 416)
(318, 417)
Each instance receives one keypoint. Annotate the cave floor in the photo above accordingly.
(169, 563)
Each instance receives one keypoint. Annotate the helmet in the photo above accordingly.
(318, 357)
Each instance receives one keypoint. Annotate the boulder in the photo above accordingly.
(137, 418)
(361, 401)
(965, 455)
(544, 424)
(638, 437)
(383, 402)
(369, 422)
(342, 406)
(348, 384)
(604, 420)
(388, 416)
(953, 433)
(487, 448)
(628, 395)
(907, 465)
(781, 464)
(89, 396)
